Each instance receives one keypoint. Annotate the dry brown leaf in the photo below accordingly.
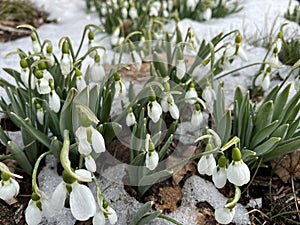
(288, 166)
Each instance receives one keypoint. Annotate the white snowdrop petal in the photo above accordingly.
(112, 217)
(152, 160)
(82, 202)
(190, 96)
(164, 103)
(99, 219)
(219, 177)
(84, 173)
(154, 111)
(80, 83)
(238, 173)
(84, 147)
(224, 215)
(98, 142)
(97, 73)
(206, 15)
(90, 163)
(206, 164)
(33, 215)
(130, 119)
(180, 69)
(40, 116)
(43, 86)
(8, 189)
(196, 119)
(66, 64)
(54, 101)
(57, 200)
(174, 111)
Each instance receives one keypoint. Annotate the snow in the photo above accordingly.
(254, 21)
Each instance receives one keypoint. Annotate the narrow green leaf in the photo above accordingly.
(224, 127)
(264, 116)
(106, 106)
(140, 213)
(281, 131)
(66, 120)
(267, 146)
(263, 134)
(20, 156)
(40, 136)
(280, 101)
(3, 136)
(110, 131)
(292, 129)
(285, 147)
(53, 119)
(163, 151)
(147, 218)
(159, 65)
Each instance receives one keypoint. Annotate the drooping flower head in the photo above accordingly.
(105, 212)
(207, 163)
(152, 157)
(219, 175)
(9, 187)
(120, 88)
(26, 73)
(191, 95)
(130, 118)
(197, 117)
(238, 172)
(91, 43)
(80, 82)
(36, 47)
(66, 64)
(97, 72)
(153, 107)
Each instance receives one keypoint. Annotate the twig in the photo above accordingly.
(13, 30)
(295, 196)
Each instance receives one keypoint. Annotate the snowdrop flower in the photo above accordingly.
(168, 105)
(39, 113)
(224, 215)
(180, 68)
(88, 137)
(82, 202)
(191, 4)
(154, 9)
(238, 172)
(197, 117)
(25, 74)
(38, 207)
(80, 82)
(130, 118)
(9, 187)
(206, 14)
(133, 12)
(120, 88)
(219, 175)
(115, 39)
(47, 52)
(207, 162)
(105, 212)
(97, 72)
(43, 86)
(66, 64)
(54, 101)
(124, 13)
(153, 107)
(209, 96)
(36, 47)
(191, 95)
(152, 157)
(263, 79)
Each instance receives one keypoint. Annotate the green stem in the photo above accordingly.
(238, 69)
(169, 219)
(237, 196)
(35, 170)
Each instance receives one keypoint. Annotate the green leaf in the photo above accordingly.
(147, 218)
(159, 65)
(263, 134)
(163, 151)
(292, 129)
(65, 121)
(140, 213)
(20, 156)
(264, 116)
(3, 136)
(219, 107)
(224, 127)
(15, 74)
(110, 131)
(55, 147)
(280, 101)
(281, 131)
(53, 119)
(40, 136)
(283, 148)
(267, 146)
(106, 106)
